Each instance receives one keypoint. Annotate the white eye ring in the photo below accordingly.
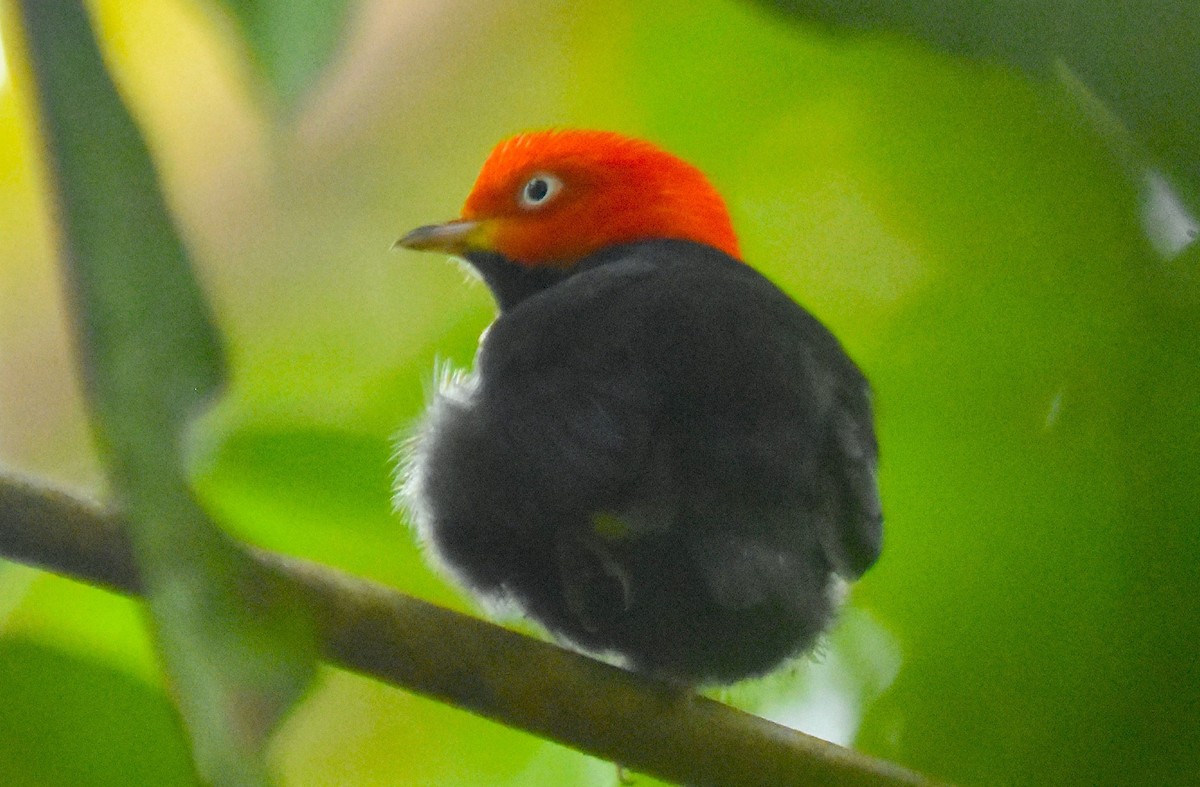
(538, 190)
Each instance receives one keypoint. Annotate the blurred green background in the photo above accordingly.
(944, 191)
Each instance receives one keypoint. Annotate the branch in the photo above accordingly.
(510, 678)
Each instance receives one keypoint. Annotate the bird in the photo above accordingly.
(658, 456)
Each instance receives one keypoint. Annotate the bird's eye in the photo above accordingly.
(538, 190)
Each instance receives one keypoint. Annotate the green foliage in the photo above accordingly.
(1140, 59)
(237, 650)
(67, 719)
(290, 42)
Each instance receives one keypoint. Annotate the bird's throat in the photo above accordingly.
(512, 282)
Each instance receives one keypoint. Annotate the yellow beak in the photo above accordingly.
(453, 237)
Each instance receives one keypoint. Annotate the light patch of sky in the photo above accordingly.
(857, 663)
(829, 708)
(1169, 224)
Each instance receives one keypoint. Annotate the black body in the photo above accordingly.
(659, 455)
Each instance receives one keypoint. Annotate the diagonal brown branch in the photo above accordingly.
(513, 679)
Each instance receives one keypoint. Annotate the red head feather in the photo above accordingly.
(597, 189)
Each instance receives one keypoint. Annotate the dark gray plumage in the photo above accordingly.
(658, 455)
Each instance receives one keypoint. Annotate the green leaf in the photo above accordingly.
(291, 42)
(68, 720)
(238, 651)
(1140, 59)
(316, 492)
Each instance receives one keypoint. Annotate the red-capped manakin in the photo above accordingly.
(658, 454)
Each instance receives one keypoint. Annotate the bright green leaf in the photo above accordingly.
(237, 649)
(69, 721)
